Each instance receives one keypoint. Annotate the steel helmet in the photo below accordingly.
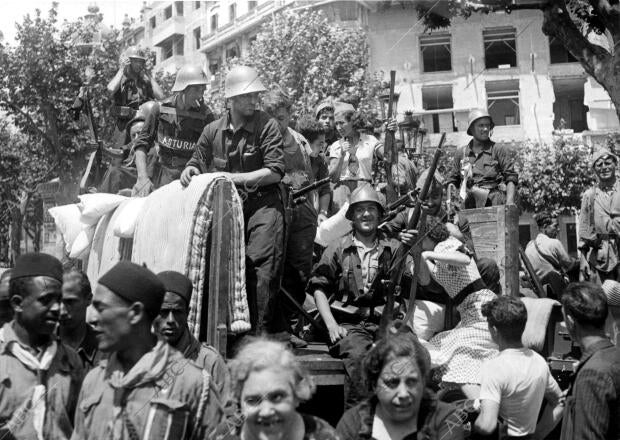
(189, 75)
(141, 114)
(241, 80)
(364, 193)
(135, 52)
(476, 114)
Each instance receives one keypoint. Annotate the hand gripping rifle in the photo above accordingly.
(94, 171)
(397, 265)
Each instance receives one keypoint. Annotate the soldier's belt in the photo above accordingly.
(173, 161)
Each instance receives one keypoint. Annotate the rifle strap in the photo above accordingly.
(547, 258)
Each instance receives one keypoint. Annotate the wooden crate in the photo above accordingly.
(495, 231)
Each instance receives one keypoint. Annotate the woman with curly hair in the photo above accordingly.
(269, 383)
(402, 406)
(460, 351)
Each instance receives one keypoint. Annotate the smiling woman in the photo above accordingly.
(269, 384)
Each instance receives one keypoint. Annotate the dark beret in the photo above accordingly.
(178, 283)
(135, 283)
(36, 264)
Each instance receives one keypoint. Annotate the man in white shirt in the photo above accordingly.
(548, 256)
(514, 383)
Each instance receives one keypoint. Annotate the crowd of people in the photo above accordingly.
(457, 369)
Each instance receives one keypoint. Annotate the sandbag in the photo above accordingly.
(95, 206)
(67, 220)
(126, 219)
(81, 245)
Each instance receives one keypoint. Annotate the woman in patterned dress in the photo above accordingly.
(269, 384)
(460, 351)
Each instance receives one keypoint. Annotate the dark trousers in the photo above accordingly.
(297, 266)
(352, 349)
(264, 240)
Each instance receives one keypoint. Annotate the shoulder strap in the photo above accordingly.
(547, 258)
(204, 400)
(184, 113)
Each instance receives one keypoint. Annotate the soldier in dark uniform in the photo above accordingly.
(172, 326)
(131, 86)
(175, 124)
(74, 330)
(483, 169)
(246, 144)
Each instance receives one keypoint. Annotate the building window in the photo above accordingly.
(213, 22)
(568, 109)
(500, 47)
(503, 102)
(252, 40)
(558, 53)
(438, 98)
(232, 52)
(179, 48)
(153, 22)
(436, 53)
(168, 12)
(179, 7)
(197, 38)
(252, 5)
(525, 234)
(166, 50)
(232, 11)
(347, 11)
(196, 5)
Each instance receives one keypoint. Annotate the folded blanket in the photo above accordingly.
(198, 231)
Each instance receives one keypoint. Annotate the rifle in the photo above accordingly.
(93, 172)
(532, 274)
(397, 265)
(298, 195)
(403, 202)
(390, 156)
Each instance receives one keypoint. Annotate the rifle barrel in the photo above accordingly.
(306, 189)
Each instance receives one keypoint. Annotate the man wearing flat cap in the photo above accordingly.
(39, 376)
(145, 389)
(599, 221)
(173, 328)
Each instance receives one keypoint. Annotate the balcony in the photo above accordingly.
(169, 28)
(241, 25)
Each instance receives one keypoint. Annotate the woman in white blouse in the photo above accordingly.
(351, 157)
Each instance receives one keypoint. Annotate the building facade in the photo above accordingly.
(503, 62)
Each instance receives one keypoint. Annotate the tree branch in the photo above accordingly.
(44, 135)
(558, 23)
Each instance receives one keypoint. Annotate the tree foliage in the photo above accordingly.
(571, 22)
(40, 77)
(310, 59)
(553, 176)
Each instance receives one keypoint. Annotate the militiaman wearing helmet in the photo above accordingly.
(175, 124)
(599, 221)
(246, 144)
(346, 271)
(483, 170)
(131, 86)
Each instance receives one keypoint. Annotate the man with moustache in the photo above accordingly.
(483, 167)
(346, 271)
(175, 124)
(599, 221)
(246, 145)
(145, 389)
(39, 377)
(172, 326)
(74, 330)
